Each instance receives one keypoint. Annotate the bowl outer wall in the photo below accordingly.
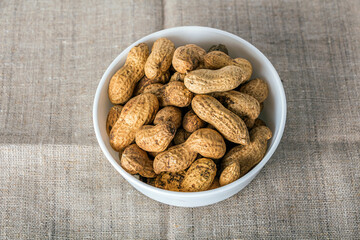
(274, 112)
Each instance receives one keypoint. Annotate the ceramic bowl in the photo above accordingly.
(274, 113)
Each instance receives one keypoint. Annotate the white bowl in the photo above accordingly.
(274, 112)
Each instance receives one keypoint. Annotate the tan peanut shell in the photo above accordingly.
(230, 125)
(245, 66)
(175, 159)
(214, 184)
(144, 82)
(258, 122)
(172, 94)
(137, 112)
(169, 114)
(187, 58)
(123, 82)
(204, 81)
(191, 122)
(112, 117)
(230, 174)
(160, 58)
(250, 155)
(243, 105)
(207, 142)
(199, 176)
(256, 88)
(177, 77)
(134, 160)
(219, 47)
(155, 138)
(181, 136)
(170, 181)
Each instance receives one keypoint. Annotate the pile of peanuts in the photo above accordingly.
(177, 111)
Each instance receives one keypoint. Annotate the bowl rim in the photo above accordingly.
(139, 184)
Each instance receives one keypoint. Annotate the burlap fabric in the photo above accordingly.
(56, 183)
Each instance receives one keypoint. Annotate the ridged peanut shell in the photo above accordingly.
(113, 116)
(137, 112)
(230, 125)
(123, 82)
(199, 176)
(204, 81)
(160, 58)
(256, 88)
(144, 82)
(181, 136)
(134, 160)
(175, 159)
(187, 58)
(207, 142)
(191, 122)
(170, 181)
(169, 114)
(250, 155)
(177, 77)
(230, 174)
(239, 103)
(155, 138)
(215, 184)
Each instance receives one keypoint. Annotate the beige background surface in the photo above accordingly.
(56, 183)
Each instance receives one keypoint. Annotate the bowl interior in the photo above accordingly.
(275, 106)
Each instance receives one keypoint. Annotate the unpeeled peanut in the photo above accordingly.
(191, 122)
(172, 94)
(250, 155)
(160, 58)
(181, 136)
(169, 114)
(145, 81)
(170, 181)
(199, 176)
(243, 105)
(230, 125)
(155, 138)
(123, 82)
(178, 77)
(112, 117)
(134, 160)
(204, 81)
(256, 88)
(187, 58)
(206, 142)
(137, 112)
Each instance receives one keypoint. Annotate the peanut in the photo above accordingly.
(230, 125)
(137, 112)
(217, 60)
(164, 78)
(206, 142)
(172, 94)
(112, 117)
(199, 176)
(250, 155)
(169, 114)
(177, 77)
(256, 88)
(181, 136)
(123, 82)
(204, 81)
(243, 105)
(192, 122)
(219, 47)
(187, 58)
(215, 184)
(134, 160)
(155, 138)
(170, 181)
(230, 174)
(160, 58)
